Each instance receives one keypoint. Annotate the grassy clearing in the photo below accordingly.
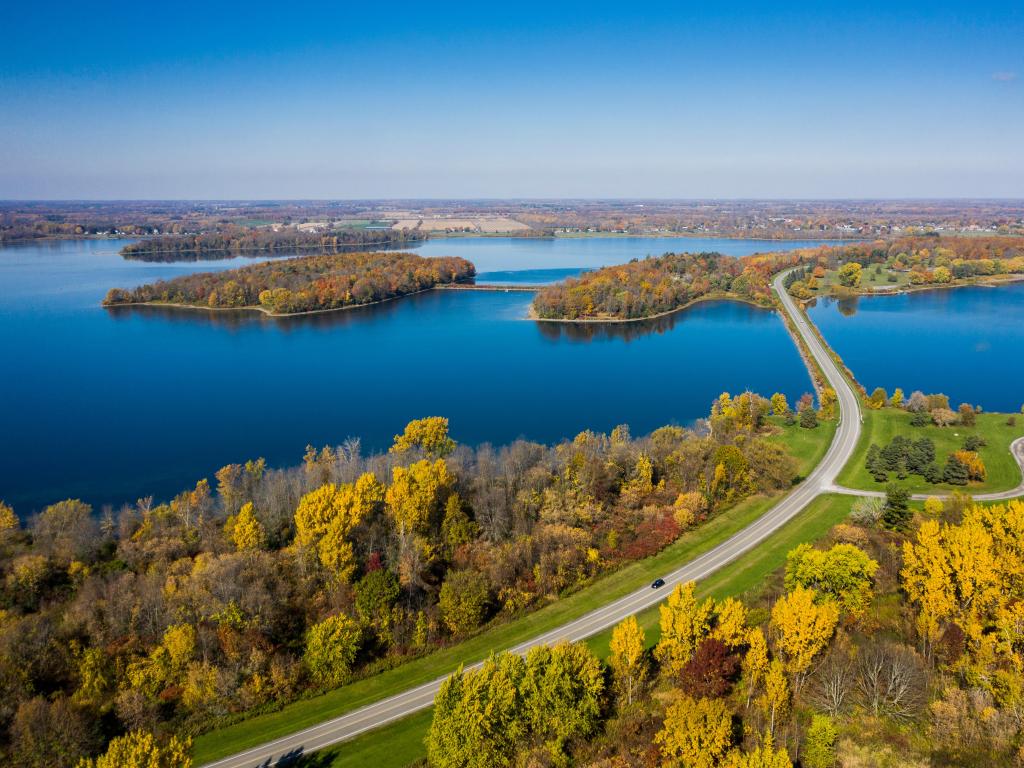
(881, 426)
(871, 281)
(401, 743)
(807, 444)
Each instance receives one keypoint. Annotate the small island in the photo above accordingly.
(646, 288)
(305, 284)
(237, 241)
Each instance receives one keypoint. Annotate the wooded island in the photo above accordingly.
(305, 284)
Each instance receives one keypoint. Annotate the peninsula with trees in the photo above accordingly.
(305, 284)
(646, 288)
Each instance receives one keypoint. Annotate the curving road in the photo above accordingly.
(821, 479)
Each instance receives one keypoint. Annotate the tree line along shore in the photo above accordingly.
(303, 284)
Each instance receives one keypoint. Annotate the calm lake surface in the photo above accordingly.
(965, 342)
(111, 405)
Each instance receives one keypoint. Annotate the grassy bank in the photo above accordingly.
(401, 743)
(807, 445)
(881, 426)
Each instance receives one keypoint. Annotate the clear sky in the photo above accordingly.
(512, 99)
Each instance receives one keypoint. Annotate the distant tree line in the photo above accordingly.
(305, 283)
(646, 287)
(239, 240)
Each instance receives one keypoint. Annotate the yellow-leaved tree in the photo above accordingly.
(763, 756)
(245, 530)
(417, 495)
(628, 658)
(697, 733)
(326, 516)
(731, 623)
(684, 623)
(139, 749)
(429, 435)
(803, 627)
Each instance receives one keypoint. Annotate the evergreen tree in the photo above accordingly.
(896, 513)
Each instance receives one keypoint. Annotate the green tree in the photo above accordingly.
(376, 593)
(463, 601)
(819, 744)
(896, 513)
(808, 418)
(457, 529)
(331, 648)
(562, 691)
(843, 573)
(479, 717)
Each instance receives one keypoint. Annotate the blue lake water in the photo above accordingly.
(967, 343)
(113, 405)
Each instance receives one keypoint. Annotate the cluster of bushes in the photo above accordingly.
(304, 284)
(265, 585)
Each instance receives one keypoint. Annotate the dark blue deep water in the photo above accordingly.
(967, 343)
(113, 405)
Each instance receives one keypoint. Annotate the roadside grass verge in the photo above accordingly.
(401, 743)
(881, 426)
(307, 712)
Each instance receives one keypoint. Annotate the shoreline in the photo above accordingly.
(992, 281)
(268, 313)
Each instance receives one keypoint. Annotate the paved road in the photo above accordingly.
(822, 478)
(1016, 449)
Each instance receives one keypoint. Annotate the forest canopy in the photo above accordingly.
(655, 285)
(303, 284)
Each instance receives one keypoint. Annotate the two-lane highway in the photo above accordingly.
(822, 478)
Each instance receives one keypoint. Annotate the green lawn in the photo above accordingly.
(868, 282)
(401, 743)
(304, 713)
(881, 426)
(807, 446)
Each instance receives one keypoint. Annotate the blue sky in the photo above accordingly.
(351, 100)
